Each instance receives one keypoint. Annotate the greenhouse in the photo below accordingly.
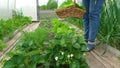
(59, 34)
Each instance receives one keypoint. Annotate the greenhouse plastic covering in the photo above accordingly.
(27, 7)
(6, 7)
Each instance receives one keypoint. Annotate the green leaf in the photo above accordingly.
(39, 58)
(66, 4)
(77, 46)
(32, 65)
(19, 58)
(57, 63)
(9, 64)
(84, 48)
(47, 51)
(73, 65)
(78, 55)
(34, 52)
(2, 45)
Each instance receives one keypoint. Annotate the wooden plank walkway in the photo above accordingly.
(108, 60)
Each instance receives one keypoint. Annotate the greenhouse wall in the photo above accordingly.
(6, 8)
(28, 7)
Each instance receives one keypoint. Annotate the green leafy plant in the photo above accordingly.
(60, 27)
(7, 27)
(66, 50)
(33, 40)
(36, 49)
(27, 50)
(68, 3)
(2, 45)
(109, 32)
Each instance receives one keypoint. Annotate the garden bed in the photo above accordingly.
(43, 56)
(11, 43)
(10, 27)
(42, 48)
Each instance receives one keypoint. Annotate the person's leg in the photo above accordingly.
(86, 19)
(94, 20)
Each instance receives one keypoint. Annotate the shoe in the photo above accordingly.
(90, 47)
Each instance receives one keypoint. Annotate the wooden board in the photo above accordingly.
(107, 57)
(93, 62)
